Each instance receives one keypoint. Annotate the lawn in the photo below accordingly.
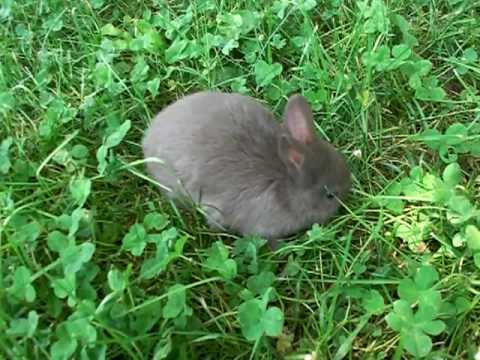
(96, 264)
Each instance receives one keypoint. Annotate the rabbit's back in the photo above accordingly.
(221, 146)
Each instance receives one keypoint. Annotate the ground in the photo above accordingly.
(95, 263)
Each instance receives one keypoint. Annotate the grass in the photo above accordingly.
(96, 264)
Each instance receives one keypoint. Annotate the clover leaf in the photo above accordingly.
(26, 233)
(176, 301)
(109, 142)
(135, 240)
(421, 289)
(265, 72)
(246, 252)
(74, 256)
(429, 90)
(256, 320)
(258, 284)
(80, 190)
(5, 162)
(457, 139)
(415, 328)
(469, 57)
(24, 327)
(21, 288)
(472, 235)
(165, 252)
(117, 280)
(218, 261)
(155, 221)
(65, 287)
(373, 303)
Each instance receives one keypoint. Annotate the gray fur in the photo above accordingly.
(248, 173)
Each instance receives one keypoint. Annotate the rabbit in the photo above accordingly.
(250, 174)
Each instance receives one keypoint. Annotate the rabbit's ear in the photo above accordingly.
(298, 120)
(291, 154)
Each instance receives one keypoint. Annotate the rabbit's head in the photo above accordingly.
(318, 175)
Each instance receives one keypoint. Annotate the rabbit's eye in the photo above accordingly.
(329, 194)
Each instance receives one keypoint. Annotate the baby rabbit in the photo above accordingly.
(247, 172)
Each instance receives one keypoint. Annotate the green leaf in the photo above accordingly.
(21, 288)
(110, 30)
(250, 314)
(405, 28)
(27, 233)
(417, 343)
(476, 259)
(163, 348)
(430, 94)
(272, 321)
(463, 305)
(79, 151)
(117, 280)
(246, 252)
(258, 284)
(135, 240)
(176, 301)
(434, 328)
(164, 255)
(5, 163)
(103, 76)
(426, 277)
(58, 241)
(265, 72)
(421, 290)
(373, 302)
(407, 290)
(218, 261)
(71, 222)
(117, 136)
(401, 52)
(24, 327)
(63, 349)
(176, 51)
(415, 82)
(456, 134)
(412, 329)
(78, 325)
(460, 209)
(431, 137)
(140, 70)
(472, 234)
(53, 23)
(73, 257)
(153, 85)
(470, 55)
(452, 174)
(80, 189)
(155, 221)
(413, 234)
(423, 67)
(6, 9)
(64, 287)
(150, 41)
(380, 58)
(111, 141)
(376, 15)
(401, 316)
(255, 319)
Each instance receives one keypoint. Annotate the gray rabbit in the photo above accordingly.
(248, 173)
